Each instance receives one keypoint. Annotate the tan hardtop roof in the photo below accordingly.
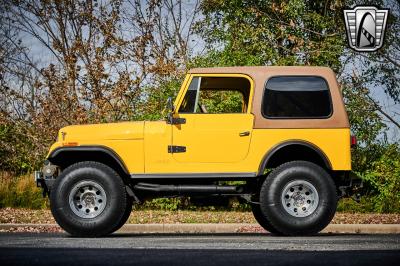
(301, 70)
(260, 74)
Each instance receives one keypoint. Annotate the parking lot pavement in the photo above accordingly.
(199, 249)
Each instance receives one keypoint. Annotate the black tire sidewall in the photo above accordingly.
(271, 202)
(262, 219)
(127, 213)
(115, 204)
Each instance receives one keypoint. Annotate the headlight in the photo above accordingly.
(49, 170)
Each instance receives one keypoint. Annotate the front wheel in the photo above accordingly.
(88, 199)
(263, 220)
(299, 198)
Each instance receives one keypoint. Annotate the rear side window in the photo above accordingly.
(296, 97)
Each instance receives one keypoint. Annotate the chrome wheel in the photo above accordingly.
(300, 198)
(87, 199)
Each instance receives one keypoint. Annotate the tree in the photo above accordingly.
(161, 43)
(274, 32)
(382, 69)
(108, 62)
(378, 71)
(16, 78)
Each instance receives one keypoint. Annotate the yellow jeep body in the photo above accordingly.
(282, 132)
(218, 145)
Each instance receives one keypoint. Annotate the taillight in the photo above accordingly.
(353, 141)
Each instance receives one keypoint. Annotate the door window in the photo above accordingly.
(216, 95)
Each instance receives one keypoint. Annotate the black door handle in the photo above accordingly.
(245, 133)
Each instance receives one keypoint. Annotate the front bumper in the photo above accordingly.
(38, 176)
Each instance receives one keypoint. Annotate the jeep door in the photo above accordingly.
(215, 123)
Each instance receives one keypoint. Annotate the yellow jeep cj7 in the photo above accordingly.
(281, 133)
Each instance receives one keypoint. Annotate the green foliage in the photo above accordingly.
(383, 177)
(379, 167)
(273, 32)
(154, 98)
(222, 101)
(166, 204)
(366, 124)
(16, 150)
(362, 114)
(349, 205)
(375, 161)
(184, 203)
(20, 192)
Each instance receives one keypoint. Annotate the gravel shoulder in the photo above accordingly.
(40, 221)
(27, 216)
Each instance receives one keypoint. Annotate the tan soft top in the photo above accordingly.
(260, 74)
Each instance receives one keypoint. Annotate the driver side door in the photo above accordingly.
(217, 124)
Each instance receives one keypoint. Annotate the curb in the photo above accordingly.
(226, 228)
(237, 228)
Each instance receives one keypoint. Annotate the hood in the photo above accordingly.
(109, 131)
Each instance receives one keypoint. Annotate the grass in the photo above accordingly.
(20, 192)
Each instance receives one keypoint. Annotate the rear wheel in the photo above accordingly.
(88, 200)
(299, 198)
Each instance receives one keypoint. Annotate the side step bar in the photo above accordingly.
(184, 189)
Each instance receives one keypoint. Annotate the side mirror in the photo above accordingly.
(170, 116)
(170, 110)
(170, 105)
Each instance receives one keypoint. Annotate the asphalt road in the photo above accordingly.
(199, 249)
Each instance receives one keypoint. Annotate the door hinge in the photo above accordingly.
(176, 121)
(176, 149)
